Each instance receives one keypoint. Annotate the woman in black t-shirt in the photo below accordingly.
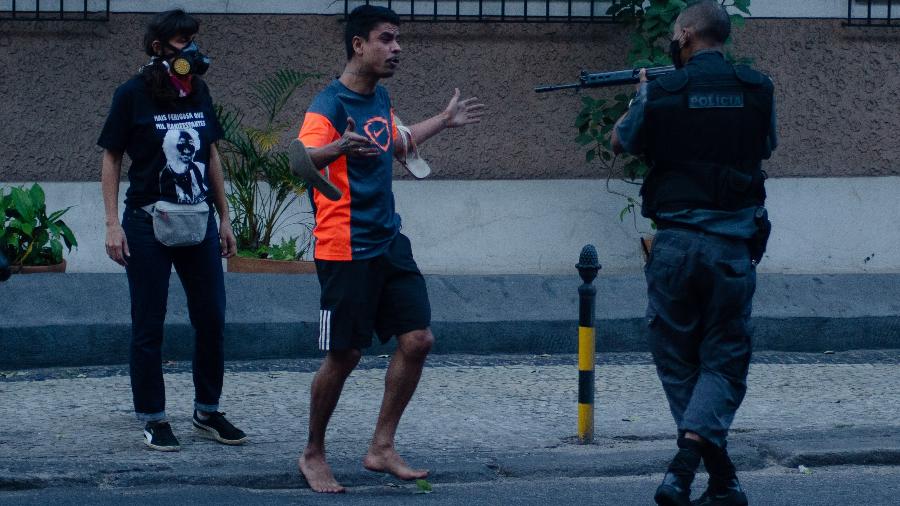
(163, 118)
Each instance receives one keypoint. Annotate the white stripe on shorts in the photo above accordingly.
(321, 327)
(327, 330)
(324, 330)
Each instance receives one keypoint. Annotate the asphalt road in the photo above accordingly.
(774, 486)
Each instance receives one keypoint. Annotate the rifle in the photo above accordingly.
(603, 79)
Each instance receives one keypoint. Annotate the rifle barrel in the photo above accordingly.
(606, 79)
(555, 87)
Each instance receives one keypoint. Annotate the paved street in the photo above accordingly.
(869, 486)
(506, 422)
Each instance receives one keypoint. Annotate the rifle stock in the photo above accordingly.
(605, 79)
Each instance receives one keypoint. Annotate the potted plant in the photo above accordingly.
(263, 191)
(31, 240)
(652, 26)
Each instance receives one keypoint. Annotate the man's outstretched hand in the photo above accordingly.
(356, 145)
(463, 112)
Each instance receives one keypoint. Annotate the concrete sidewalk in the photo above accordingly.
(474, 418)
(84, 319)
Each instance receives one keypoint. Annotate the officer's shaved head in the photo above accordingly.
(707, 19)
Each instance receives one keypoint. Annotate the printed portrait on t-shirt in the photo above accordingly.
(183, 177)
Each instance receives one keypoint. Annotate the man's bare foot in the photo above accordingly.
(318, 474)
(387, 460)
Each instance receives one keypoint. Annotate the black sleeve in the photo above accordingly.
(114, 136)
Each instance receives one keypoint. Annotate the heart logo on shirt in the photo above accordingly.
(379, 132)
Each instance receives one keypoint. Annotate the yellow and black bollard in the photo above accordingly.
(588, 266)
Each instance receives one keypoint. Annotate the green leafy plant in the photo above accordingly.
(651, 23)
(423, 487)
(30, 236)
(286, 250)
(262, 187)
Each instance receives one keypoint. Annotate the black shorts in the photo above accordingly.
(384, 295)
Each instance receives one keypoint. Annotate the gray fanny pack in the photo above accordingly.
(179, 224)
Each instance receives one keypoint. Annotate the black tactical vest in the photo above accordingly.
(706, 127)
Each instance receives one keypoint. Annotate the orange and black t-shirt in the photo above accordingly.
(363, 222)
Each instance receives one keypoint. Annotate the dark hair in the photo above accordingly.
(168, 25)
(164, 27)
(363, 19)
(709, 19)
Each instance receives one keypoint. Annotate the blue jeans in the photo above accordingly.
(200, 270)
(700, 289)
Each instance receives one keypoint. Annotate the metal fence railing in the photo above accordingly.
(872, 13)
(54, 10)
(494, 11)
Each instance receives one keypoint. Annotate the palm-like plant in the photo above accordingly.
(263, 188)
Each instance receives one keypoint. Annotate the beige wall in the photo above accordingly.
(836, 89)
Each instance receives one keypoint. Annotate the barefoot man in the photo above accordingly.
(370, 282)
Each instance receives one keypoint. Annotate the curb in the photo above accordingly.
(83, 319)
(570, 461)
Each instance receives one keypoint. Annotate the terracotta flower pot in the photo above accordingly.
(266, 266)
(38, 269)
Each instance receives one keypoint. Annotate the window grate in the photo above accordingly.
(54, 10)
(493, 11)
(872, 13)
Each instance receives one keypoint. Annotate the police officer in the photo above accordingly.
(704, 130)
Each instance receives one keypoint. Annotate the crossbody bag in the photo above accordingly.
(178, 225)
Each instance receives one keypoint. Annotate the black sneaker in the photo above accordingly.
(158, 435)
(218, 428)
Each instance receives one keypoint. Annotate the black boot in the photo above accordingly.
(724, 489)
(675, 489)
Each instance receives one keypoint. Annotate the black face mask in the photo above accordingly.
(675, 54)
(190, 60)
